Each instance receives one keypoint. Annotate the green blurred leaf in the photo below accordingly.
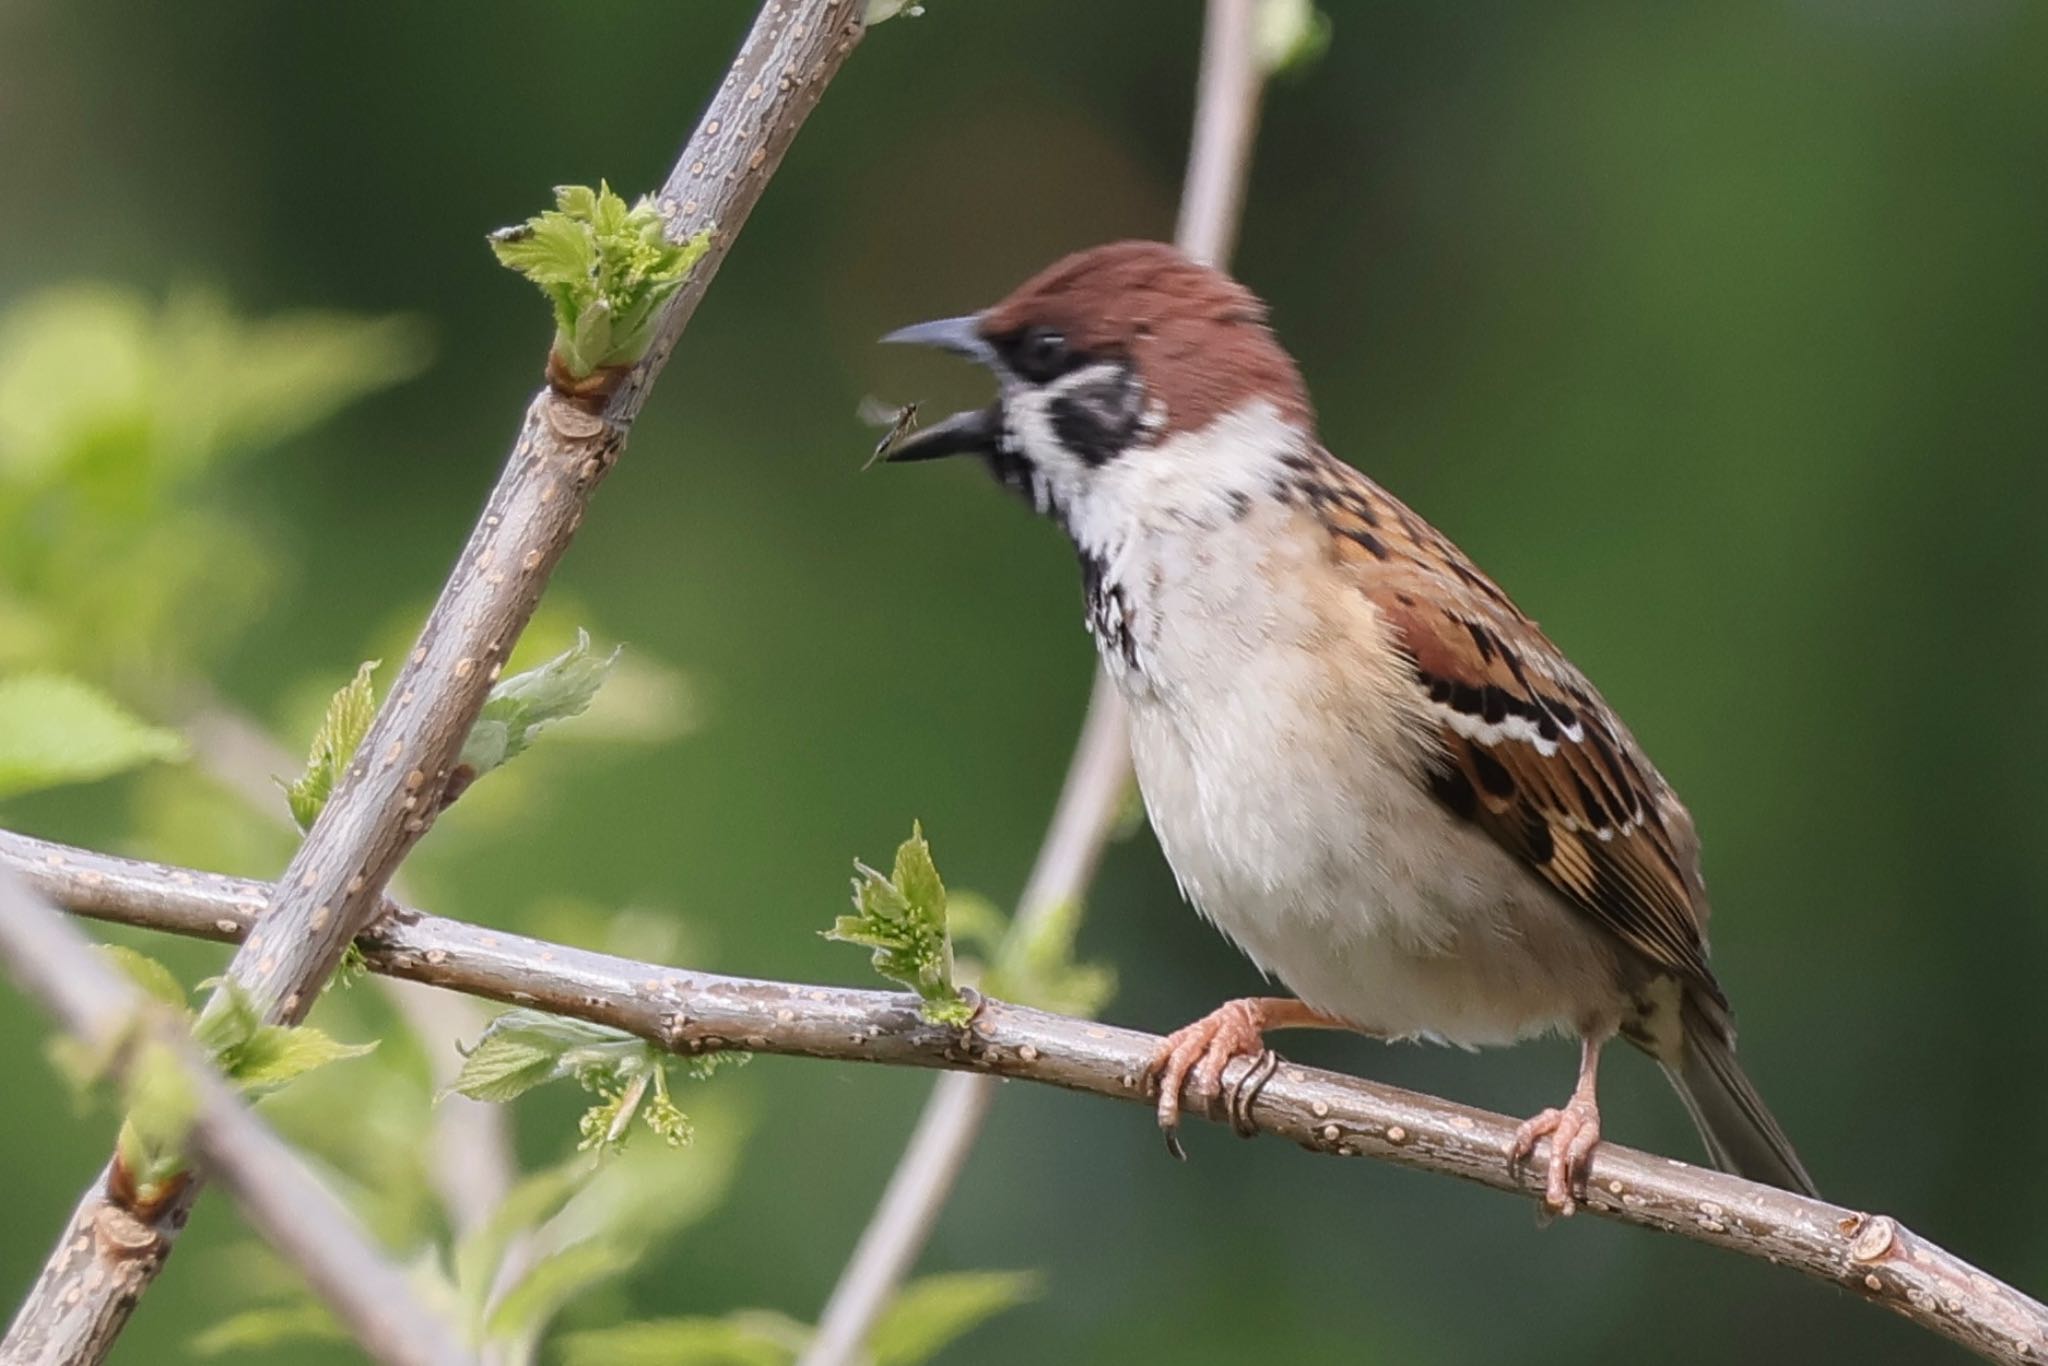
(349, 713)
(55, 729)
(145, 972)
(270, 1326)
(535, 1199)
(902, 917)
(555, 1280)
(606, 270)
(1035, 966)
(747, 1338)
(931, 1312)
(161, 1105)
(1289, 35)
(229, 1019)
(521, 705)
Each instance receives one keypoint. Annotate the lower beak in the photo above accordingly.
(973, 433)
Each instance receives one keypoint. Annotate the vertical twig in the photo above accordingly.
(1219, 158)
(404, 772)
(52, 962)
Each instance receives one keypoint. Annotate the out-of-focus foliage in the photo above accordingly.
(55, 729)
(158, 1099)
(1032, 964)
(119, 418)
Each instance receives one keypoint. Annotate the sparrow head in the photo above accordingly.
(1108, 358)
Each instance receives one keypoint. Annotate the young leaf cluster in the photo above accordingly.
(522, 1049)
(258, 1058)
(606, 270)
(902, 917)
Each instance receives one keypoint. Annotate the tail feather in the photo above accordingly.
(1739, 1130)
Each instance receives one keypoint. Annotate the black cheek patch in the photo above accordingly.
(1097, 421)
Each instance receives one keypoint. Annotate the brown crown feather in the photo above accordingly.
(1198, 338)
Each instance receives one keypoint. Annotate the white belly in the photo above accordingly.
(1278, 781)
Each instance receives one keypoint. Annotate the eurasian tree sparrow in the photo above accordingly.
(1366, 766)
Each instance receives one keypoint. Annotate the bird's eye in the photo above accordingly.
(1042, 354)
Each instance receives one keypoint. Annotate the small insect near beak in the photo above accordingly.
(971, 433)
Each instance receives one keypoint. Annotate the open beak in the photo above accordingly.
(970, 433)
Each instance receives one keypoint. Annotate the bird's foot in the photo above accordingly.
(1573, 1132)
(1194, 1057)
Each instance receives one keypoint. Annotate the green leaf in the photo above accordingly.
(748, 1338)
(161, 1105)
(555, 1280)
(277, 1054)
(55, 729)
(526, 1206)
(520, 1049)
(505, 1064)
(259, 1057)
(902, 917)
(553, 249)
(270, 1326)
(1035, 966)
(931, 1312)
(521, 705)
(229, 1019)
(606, 270)
(348, 717)
(145, 972)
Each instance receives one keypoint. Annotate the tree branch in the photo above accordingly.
(53, 963)
(1219, 159)
(405, 770)
(689, 1012)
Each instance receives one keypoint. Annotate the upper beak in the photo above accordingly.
(975, 432)
(960, 335)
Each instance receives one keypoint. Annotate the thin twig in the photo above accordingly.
(1219, 158)
(405, 770)
(53, 963)
(688, 1012)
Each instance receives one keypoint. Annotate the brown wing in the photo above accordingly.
(1530, 751)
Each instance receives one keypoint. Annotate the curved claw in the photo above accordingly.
(1193, 1059)
(1574, 1133)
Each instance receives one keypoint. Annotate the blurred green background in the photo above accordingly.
(1715, 332)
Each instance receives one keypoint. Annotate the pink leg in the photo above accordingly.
(1200, 1051)
(1573, 1131)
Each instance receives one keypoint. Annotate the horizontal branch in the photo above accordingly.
(688, 1012)
(53, 963)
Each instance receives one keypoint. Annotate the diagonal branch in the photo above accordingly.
(1212, 196)
(52, 962)
(405, 770)
(688, 1012)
